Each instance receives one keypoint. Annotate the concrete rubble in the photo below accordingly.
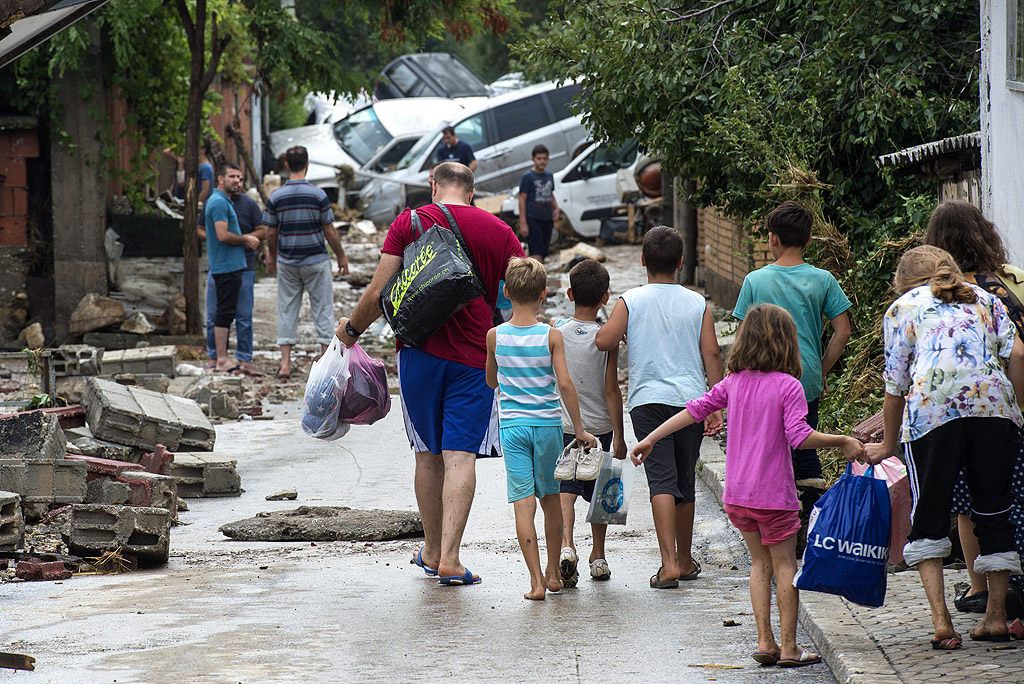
(95, 311)
(12, 523)
(202, 475)
(142, 531)
(77, 359)
(161, 359)
(34, 435)
(326, 523)
(141, 418)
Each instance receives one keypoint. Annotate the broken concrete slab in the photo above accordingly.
(12, 523)
(204, 475)
(224, 406)
(95, 311)
(202, 389)
(82, 442)
(150, 489)
(32, 435)
(103, 490)
(94, 529)
(154, 382)
(160, 360)
(77, 359)
(141, 418)
(283, 495)
(326, 523)
(44, 482)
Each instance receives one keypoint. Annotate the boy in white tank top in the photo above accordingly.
(595, 374)
(672, 345)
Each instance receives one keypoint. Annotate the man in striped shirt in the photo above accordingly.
(299, 218)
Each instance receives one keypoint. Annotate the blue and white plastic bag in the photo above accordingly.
(612, 489)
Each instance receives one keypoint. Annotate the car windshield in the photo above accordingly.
(391, 156)
(454, 77)
(361, 135)
(412, 155)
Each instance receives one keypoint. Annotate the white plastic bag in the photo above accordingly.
(612, 490)
(325, 388)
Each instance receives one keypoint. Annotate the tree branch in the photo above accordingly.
(217, 46)
(186, 20)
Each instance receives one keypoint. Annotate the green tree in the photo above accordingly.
(765, 100)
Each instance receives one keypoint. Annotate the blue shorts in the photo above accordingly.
(447, 405)
(530, 455)
(584, 488)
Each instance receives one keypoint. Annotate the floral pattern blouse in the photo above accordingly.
(946, 359)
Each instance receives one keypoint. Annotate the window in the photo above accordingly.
(519, 117)
(360, 134)
(455, 78)
(394, 154)
(561, 98)
(473, 131)
(606, 160)
(407, 82)
(1014, 44)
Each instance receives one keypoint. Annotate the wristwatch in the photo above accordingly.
(350, 331)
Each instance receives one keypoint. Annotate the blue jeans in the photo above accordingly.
(243, 316)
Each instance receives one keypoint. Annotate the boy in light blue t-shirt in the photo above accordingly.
(809, 294)
(526, 362)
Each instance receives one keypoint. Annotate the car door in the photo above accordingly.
(587, 192)
(519, 126)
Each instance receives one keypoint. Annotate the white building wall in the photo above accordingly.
(1002, 130)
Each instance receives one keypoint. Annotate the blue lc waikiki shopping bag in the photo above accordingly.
(848, 540)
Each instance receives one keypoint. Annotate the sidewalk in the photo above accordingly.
(888, 645)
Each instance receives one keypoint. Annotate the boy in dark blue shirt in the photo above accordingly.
(538, 208)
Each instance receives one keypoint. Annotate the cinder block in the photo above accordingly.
(36, 569)
(140, 418)
(150, 489)
(45, 482)
(204, 475)
(103, 490)
(32, 435)
(103, 467)
(161, 359)
(81, 441)
(12, 523)
(94, 529)
(77, 359)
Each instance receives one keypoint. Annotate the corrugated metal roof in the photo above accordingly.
(920, 153)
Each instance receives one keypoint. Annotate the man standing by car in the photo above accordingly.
(250, 222)
(298, 218)
(225, 246)
(450, 412)
(453, 149)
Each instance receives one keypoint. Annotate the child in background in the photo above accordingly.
(767, 417)
(808, 294)
(538, 208)
(526, 361)
(672, 345)
(595, 375)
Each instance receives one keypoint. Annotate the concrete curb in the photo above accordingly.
(843, 642)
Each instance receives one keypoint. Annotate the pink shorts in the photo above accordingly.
(774, 526)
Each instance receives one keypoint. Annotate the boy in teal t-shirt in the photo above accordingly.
(809, 294)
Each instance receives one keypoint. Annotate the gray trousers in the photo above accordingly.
(318, 282)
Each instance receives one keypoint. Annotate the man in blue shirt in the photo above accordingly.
(225, 246)
(453, 149)
(250, 221)
(538, 208)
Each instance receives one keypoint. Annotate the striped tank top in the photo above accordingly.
(528, 392)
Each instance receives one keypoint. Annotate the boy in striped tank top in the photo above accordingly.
(526, 362)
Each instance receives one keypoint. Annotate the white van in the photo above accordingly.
(502, 132)
(358, 138)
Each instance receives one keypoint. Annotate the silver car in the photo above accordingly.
(502, 132)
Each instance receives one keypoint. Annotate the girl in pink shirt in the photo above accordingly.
(767, 416)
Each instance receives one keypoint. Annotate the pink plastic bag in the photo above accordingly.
(367, 398)
(894, 473)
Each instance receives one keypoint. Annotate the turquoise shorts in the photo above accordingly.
(530, 456)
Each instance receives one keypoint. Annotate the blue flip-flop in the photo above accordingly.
(418, 560)
(459, 580)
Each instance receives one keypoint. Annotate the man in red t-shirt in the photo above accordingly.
(450, 413)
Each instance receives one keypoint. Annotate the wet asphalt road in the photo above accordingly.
(224, 611)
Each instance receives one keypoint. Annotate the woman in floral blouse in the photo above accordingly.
(961, 229)
(952, 405)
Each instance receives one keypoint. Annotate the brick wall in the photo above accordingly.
(726, 255)
(16, 146)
